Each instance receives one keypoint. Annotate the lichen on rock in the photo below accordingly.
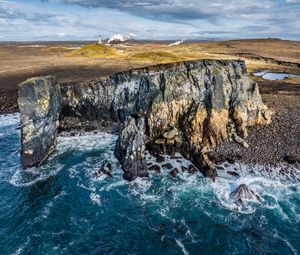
(39, 104)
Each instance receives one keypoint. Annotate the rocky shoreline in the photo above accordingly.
(278, 142)
(188, 107)
(271, 144)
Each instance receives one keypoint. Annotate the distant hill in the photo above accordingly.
(94, 51)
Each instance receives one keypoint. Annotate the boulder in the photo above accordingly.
(167, 166)
(233, 173)
(184, 169)
(39, 105)
(155, 168)
(160, 158)
(192, 169)
(243, 192)
(174, 172)
(104, 170)
(291, 158)
(171, 134)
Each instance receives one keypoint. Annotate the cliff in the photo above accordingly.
(188, 106)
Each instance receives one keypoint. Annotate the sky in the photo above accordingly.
(40, 20)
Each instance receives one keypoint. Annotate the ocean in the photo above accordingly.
(62, 208)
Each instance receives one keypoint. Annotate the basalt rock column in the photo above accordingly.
(130, 149)
(39, 104)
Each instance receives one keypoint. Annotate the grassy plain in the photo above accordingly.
(77, 61)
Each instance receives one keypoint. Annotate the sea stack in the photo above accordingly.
(39, 104)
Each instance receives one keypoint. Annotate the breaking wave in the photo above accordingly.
(62, 208)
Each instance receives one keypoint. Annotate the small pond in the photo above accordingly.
(274, 76)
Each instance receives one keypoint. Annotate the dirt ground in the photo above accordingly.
(277, 142)
(20, 61)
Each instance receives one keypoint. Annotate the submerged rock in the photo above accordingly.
(233, 173)
(192, 169)
(160, 158)
(167, 166)
(155, 168)
(39, 104)
(174, 172)
(104, 170)
(243, 192)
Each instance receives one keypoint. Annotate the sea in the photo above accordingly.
(62, 208)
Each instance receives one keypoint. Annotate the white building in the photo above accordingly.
(100, 39)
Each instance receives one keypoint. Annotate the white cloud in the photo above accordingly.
(148, 19)
(293, 1)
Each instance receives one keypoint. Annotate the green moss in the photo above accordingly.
(94, 51)
(156, 56)
(57, 49)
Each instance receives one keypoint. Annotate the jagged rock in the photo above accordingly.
(109, 166)
(220, 167)
(233, 173)
(240, 141)
(230, 160)
(39, 104)
(155, 168)
(244, 192)
(104, 170)
(167, 166)
(170, 134)
(160, 141)
(176, 157)
(130, 149)
(184, 169)
(174, 172)
(160, 159)
(170, 142)
(192, 169)
(192, 102)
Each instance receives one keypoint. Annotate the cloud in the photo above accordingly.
(177, 9)
(293, 1)
(148, 19)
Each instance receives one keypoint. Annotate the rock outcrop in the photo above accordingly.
(243, 192)
(39, 105)
(130, 149)
(186, 107)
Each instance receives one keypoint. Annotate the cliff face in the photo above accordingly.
(130, 149)
(188, 107)
(39, 104)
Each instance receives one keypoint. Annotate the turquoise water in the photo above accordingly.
(62, 209)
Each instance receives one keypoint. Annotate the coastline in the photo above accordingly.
(269, 145)
(275, 143)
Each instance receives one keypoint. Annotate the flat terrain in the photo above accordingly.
(77, 61)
